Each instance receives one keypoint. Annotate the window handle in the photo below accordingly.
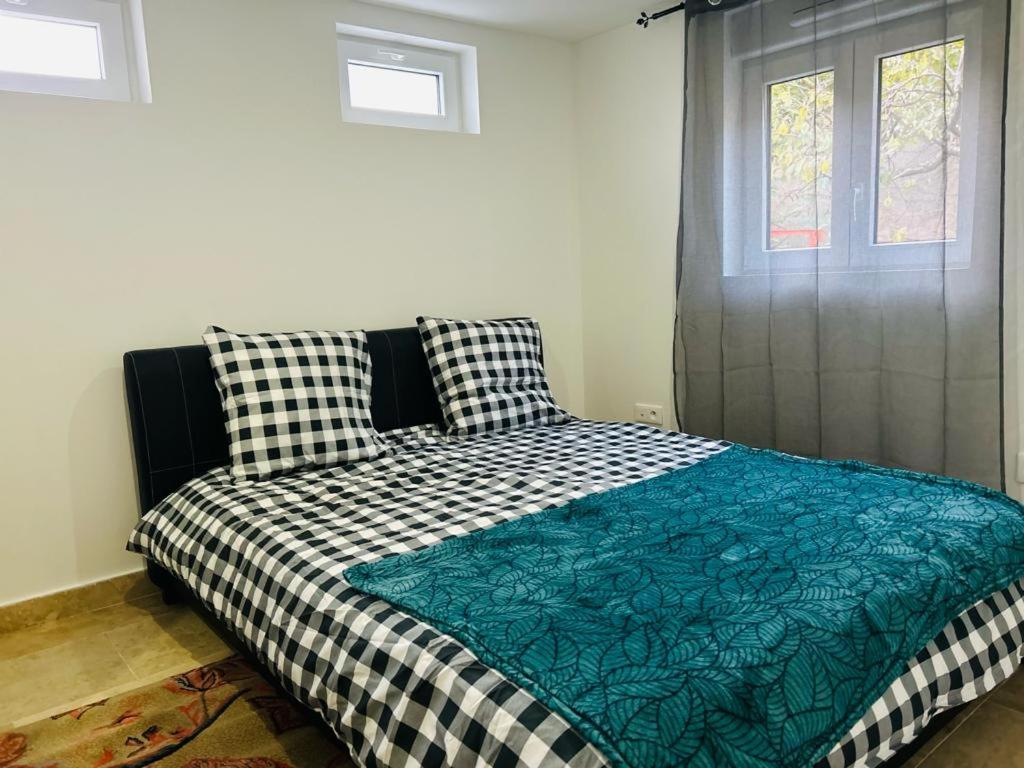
(393, 55)
(858, 197)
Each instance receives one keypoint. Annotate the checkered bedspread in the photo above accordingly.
(267, 558)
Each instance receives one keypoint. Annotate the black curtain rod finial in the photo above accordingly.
(696, 6)
(646, 18)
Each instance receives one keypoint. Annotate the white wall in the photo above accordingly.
(629, 102)
(239, 197)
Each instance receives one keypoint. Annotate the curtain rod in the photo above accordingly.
(645, 19)
(696, 6)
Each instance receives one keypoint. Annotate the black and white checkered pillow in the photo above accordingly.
(488, 375)
(294, 400)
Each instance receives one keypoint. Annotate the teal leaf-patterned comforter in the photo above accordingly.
(745, 611)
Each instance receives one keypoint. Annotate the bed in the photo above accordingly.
(267, 560)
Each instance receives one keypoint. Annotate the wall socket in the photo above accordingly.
(649, 414)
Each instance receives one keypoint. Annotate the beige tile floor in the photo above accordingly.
(67, 662)
(77, 660)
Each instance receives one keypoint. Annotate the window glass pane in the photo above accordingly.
(800, 162)
(919, 144)
(394, 90)
(37, 46)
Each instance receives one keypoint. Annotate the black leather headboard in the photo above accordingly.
(178, 425)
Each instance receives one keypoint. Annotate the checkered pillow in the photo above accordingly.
(488, 375)
(294, 400)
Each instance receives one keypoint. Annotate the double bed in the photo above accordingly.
(268, 559)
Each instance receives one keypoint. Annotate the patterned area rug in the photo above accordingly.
(224, 715)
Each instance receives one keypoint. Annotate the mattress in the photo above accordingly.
(267, 558)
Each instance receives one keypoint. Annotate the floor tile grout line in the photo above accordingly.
(1007, 707)
(83, 701)
(133, 600)
(132, 672)
(43, 629)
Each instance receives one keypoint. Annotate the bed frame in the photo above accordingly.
(177, 428)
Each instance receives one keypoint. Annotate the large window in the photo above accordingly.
(406, 82)
(84, 48)
(857, 152)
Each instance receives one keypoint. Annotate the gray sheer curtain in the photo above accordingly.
(840, 251)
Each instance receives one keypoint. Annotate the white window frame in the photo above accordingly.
(452, 63)
(856, 63)
(109, 20)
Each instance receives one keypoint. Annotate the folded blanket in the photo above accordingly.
(744, 611)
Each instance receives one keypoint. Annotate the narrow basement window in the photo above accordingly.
(31, 46)
(407, 82)
(87, 48)
(391, 89)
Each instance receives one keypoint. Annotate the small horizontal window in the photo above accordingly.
(392, 89)
(407, 82)
(44, 47)
(71, 48)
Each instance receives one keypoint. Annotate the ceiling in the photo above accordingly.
(563, 19)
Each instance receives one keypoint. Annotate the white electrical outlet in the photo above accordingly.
(649, 414)
(1020, 467)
